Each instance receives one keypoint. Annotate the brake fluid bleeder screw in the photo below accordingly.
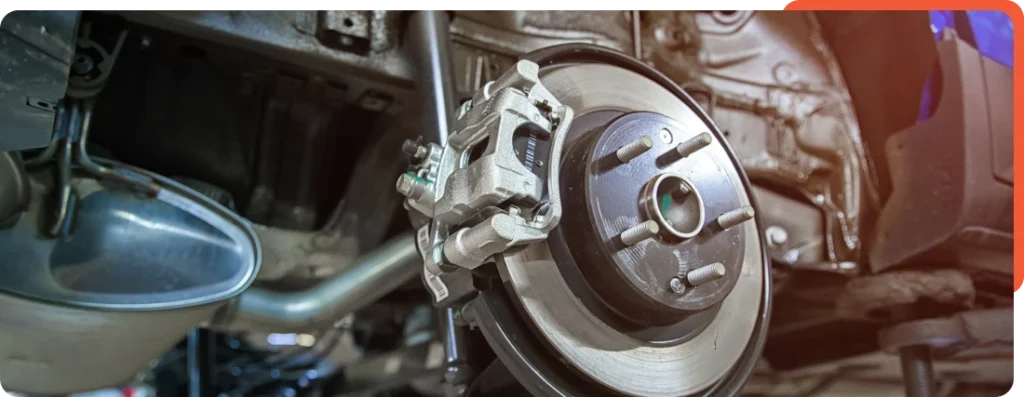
(639, 233)
(633, 149)
(705, 274)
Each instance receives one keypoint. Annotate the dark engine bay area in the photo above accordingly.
(505, 203)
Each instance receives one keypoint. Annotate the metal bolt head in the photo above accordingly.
(405, 184)
(413, 149)
(776, 236)
(676, 285)
(83, 65)
(411, 186)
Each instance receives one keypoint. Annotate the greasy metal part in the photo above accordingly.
(918, 376)
(36, 51)
(551, 306)
(953, 335)
(971, 130)
(427, 37)
(864, 295)
(377, 273)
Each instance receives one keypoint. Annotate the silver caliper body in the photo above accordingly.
(483, 195)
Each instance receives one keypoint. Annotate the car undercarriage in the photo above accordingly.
(495, 203)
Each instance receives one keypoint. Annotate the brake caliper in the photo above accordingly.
(494, 184)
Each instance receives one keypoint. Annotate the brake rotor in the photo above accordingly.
(621, 313)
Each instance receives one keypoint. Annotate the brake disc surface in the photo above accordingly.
(605, 354)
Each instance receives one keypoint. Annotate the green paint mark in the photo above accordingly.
(665, 201)
(418, 179)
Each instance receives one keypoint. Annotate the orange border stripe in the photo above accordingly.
(1012, 10)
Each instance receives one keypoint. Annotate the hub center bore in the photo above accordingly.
(675, 204)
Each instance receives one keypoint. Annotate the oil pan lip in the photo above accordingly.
(172, 193)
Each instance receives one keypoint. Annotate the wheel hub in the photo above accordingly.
(606, 198)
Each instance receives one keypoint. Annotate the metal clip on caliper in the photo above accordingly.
(491, 187)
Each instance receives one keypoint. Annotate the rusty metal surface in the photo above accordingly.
(768, 77)
(864, 295)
